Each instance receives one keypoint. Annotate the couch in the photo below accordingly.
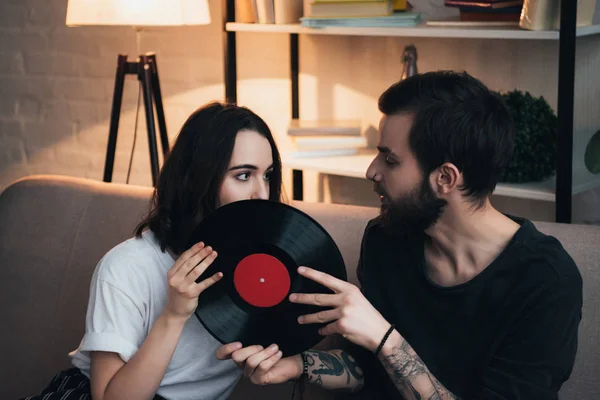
(53, 230)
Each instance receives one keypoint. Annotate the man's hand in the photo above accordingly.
(352, 315)
(262, 366)
(358, 321)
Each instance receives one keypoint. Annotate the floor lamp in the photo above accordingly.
(138, 14)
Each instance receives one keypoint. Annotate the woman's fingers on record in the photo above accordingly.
(254, 361)
(260, 373)
(198, 288)
(226, 351)
(201, 267)
(195, 260)
(240, 356)
(185, 256)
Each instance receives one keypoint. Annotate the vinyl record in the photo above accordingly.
(261, 244)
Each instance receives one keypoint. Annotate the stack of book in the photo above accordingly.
(358, 13)
(487, 10)
(325, 138)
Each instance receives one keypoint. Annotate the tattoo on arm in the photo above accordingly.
(406, 368)
(352, 366)
(326, 369)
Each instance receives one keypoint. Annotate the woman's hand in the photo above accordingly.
(183, 289)
(262, 366)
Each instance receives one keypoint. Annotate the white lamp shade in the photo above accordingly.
(138, 12)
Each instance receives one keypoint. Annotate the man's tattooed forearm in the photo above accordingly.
(323, 364)
(415, 393)
(329, 365)
(352, 366)
(404, 367)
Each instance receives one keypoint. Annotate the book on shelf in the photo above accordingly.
(326, 138)
(350, 9)
(300, 127)
(318, 153)
(400, 5)
(397, 19)
(490, 14)
(458, 23)
(483, 3)
(326, 142)
(473, 2)
(346, 1)
(327, 146)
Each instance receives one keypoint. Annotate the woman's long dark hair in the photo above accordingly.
(188, 185)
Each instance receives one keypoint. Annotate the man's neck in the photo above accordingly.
(464, 242)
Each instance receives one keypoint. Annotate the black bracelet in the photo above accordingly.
(304, 365)
(302, 376)
(385, 338)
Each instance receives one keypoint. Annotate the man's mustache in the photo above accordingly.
(379, 190)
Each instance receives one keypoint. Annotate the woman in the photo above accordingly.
(140, 342)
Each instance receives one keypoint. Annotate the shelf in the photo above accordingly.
(355, 166)
(423, 31)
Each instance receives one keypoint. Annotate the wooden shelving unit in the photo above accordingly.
(421, 31)
(559, 189)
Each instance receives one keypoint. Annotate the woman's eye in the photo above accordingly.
(389, 161)
(244, 176)
(268, 175)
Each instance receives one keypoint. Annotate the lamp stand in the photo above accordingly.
(147, 72)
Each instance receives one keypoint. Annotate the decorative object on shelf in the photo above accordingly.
(245, 12)
(288, 11)
(538, 15)
(534, 157)
(409, 59)
(138, 14)
(545, 14)
(265, 11)
(592, 154)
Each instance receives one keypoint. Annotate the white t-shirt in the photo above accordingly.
(127, 294)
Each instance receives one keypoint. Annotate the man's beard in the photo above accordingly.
(414, 213)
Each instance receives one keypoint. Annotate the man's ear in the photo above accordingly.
(446, 178)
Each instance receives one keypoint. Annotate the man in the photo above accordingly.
(457, 300)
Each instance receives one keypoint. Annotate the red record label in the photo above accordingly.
(261, 280)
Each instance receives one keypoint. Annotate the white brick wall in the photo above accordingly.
(56, 87)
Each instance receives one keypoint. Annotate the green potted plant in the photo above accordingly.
(534, 157)
(592, 154)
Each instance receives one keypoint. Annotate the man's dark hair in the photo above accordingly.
(456, 119)
(189, 182)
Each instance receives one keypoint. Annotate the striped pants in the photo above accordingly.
(69, 384)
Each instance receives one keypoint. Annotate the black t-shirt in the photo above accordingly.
(509, 333)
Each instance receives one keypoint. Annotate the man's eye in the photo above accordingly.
(389, 161)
